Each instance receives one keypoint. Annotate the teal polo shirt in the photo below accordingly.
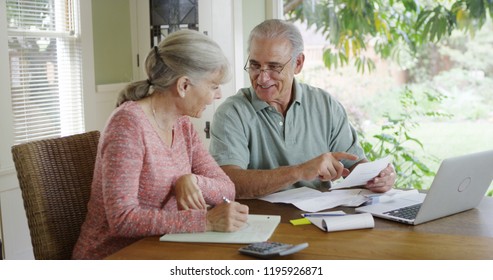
(251, 134)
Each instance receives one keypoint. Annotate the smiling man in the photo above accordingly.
(281, 133)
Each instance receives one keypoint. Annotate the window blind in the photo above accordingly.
(45, 68)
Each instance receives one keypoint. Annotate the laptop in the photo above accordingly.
(459, 185)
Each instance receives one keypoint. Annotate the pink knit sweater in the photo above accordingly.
(132, 191)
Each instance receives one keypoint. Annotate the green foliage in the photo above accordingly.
(461, 68)
(422, 37)
(389, 27)
(395, 138)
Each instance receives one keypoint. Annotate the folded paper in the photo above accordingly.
(346, 222)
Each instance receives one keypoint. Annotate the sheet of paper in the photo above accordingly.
(362, 173)
(259, 228)
(292, 195)
(345, 222)
(391, 195)
(327, 200)
(311, 200)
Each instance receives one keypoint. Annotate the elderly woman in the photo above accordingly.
(153, 175)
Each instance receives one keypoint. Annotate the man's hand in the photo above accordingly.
(327, 167)
(383, 182)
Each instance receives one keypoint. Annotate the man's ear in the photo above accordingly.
(300, 61)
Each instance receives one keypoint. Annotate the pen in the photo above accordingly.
(322, 214)
(226, 200)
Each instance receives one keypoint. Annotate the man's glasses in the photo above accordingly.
(273, 70)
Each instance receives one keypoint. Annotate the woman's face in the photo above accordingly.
(201, 93)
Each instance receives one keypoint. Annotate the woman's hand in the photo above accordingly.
(227, 217)
(188, 194)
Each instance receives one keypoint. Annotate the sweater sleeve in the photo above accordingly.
(122, 156)
(212, 180)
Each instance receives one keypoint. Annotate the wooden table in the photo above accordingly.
(467, 235)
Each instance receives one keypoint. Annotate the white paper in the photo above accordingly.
(311, 200)
(318, 221)
(345, 222)
(292, 195)
(388, 197)
(327, 200)
(259, 228)
(362, 173)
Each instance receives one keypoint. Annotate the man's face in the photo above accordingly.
(273, 57)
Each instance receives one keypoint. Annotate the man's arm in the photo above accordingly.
(257, 183)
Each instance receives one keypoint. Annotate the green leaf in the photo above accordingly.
(410, 5)
(415, 140)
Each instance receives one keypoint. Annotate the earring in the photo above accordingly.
(182, 94)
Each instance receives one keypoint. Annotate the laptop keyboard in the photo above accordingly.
(408, 212)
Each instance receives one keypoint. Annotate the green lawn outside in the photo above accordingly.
(447, 139)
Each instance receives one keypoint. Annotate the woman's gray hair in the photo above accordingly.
(275, 29)
(183, 53)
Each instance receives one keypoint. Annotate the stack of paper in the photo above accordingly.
(312, 200)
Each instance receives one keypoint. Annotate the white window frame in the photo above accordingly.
(61, 99)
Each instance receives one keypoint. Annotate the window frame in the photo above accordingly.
(45, 59)
(6, 113)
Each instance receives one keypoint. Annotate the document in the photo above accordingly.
(339, 221)
(362, 173)
(259, 228)
(391, 195)
(311, 200)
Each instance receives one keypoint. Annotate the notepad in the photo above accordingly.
(259, 228)
(345, 222)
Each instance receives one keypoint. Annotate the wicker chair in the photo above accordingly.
(55, 178)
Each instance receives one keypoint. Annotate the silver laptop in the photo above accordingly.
(459, 185)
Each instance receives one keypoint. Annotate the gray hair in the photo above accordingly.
(183, 53)
(276, 28)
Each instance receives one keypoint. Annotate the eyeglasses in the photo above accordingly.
(273, 70)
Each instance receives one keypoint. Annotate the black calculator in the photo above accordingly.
(269, 249)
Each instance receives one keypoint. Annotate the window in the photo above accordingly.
(45, 68)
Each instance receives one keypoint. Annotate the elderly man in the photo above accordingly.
(281, 133)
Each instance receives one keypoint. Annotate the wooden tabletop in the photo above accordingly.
(467, 235)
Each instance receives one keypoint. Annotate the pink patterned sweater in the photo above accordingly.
(132, 190)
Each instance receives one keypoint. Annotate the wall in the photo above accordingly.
(112, 41)
(111, 68)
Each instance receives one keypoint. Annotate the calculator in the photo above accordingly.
(269, 249)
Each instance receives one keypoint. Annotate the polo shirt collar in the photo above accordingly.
(259, 105)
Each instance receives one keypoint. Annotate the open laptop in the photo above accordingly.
(459, 185)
